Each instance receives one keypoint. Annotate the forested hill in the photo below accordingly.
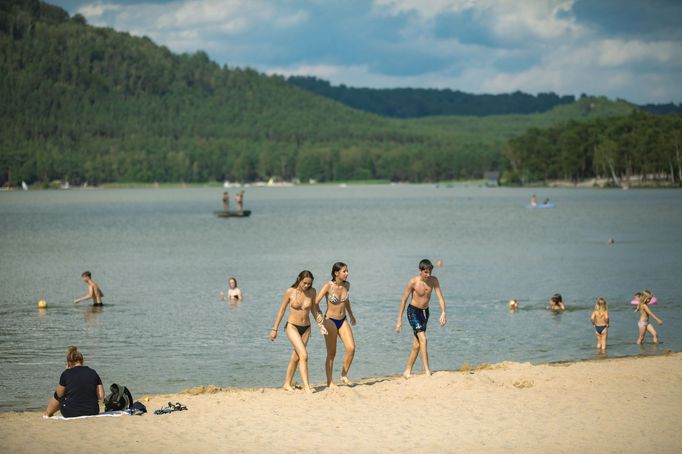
(91, 104)
(423, 102)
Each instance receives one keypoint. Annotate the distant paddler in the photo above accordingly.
(226, 201)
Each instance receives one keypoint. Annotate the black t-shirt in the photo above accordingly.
(80, 398)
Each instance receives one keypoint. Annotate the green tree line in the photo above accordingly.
(423, 102)
(639, 144)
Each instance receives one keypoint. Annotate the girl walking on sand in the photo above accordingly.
(336, 292)
(300, 298)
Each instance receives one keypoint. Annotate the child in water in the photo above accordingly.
(644, 312)
(556, 303)
(600, 320)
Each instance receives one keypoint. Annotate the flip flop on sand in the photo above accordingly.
(177, 406)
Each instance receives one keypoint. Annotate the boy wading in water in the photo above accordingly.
(420, 288)
(94, 292)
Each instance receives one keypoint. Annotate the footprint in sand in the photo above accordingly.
(523, 384)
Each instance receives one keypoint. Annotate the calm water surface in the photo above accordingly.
(161, 258)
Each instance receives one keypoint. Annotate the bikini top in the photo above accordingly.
(333, 298)
(303, 305)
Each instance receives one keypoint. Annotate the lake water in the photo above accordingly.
(161, 258)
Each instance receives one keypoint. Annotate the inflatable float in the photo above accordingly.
(653, 301)
(542, 205)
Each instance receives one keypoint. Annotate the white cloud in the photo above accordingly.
(189, 25)
(616, 52)
(425, 8)
(528, 45)
(96, 10)
(508, 19)
(321, 71)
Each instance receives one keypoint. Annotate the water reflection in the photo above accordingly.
(92, 315)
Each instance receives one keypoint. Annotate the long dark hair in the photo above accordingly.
(336, 268)
(302, 275)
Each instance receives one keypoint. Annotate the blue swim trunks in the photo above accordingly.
(418, 318)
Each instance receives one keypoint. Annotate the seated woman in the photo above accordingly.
(79, 391)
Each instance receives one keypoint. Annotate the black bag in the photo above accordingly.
(119, 398)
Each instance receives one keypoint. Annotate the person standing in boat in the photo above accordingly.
(239, 198)
(338, 305)
(226, 201)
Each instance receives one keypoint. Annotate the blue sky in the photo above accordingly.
(630, 49)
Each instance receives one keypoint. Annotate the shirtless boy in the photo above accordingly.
(420, 288)
(94, 292)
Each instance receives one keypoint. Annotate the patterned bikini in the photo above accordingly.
(332, 298)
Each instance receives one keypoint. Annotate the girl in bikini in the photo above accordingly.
(234, 293)
(338, 305)
(600, 320)
(644, 313)
(300, 298)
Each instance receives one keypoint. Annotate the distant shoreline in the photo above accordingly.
(593, 183)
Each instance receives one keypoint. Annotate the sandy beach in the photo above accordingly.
(613, 405)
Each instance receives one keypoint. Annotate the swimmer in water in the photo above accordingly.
(94, 292)
(234, 294)
(300, 299)
(419, 288)
(336, 292)
(556, 303)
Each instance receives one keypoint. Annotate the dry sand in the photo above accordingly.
(616, 405)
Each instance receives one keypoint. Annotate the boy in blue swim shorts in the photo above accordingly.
(419, 288)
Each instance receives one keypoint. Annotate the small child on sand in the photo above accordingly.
(600, 320)
(644, 313)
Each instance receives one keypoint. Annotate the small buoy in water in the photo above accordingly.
(513, 304)
(439, 263)
(611, 241)
(42, 304)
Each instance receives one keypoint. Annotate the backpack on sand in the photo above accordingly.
(119, 398)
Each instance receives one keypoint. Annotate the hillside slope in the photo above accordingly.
(91, 104)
